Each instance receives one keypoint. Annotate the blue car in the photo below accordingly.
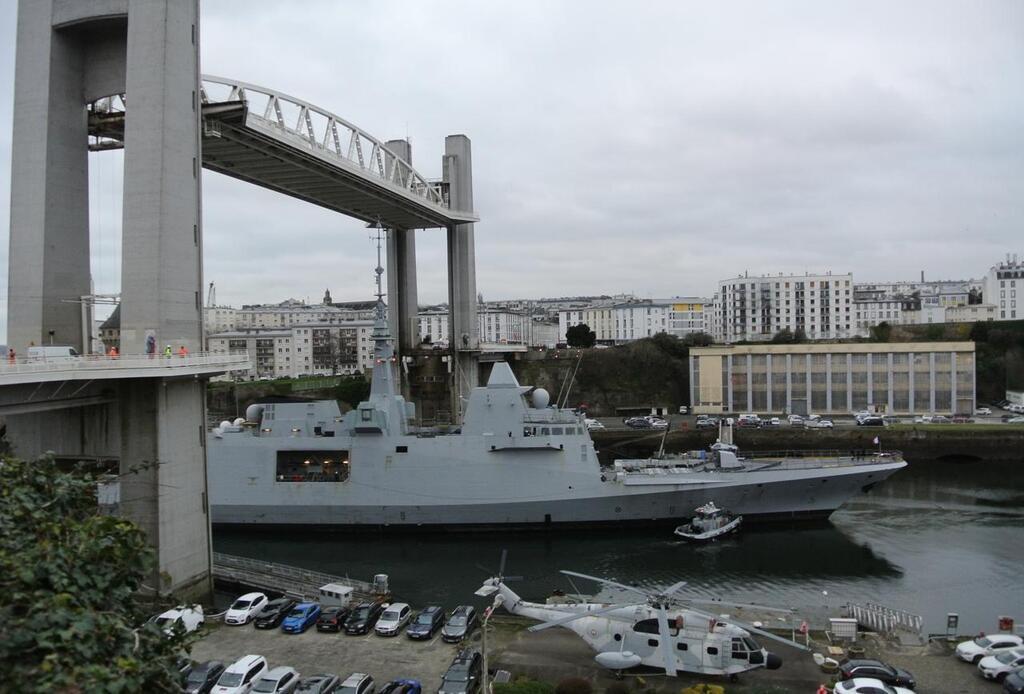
(301, 617)
(402, 687)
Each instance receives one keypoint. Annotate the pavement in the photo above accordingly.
(555, 654)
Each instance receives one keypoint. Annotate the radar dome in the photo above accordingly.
(541, 398)
(239, 421)
(253, 413)
(225, 424)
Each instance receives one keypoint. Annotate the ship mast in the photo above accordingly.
(383, 380)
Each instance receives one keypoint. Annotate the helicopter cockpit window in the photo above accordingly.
(739, 649)
(751, 644)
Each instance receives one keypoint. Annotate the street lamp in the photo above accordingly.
(498, 600)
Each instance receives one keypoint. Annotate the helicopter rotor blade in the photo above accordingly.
(576, 615)
(501, 566)
(767, 634)
(623, 586)
(742, 605)
(674, 588)
(667, 657)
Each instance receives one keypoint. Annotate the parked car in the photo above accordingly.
(428, 621)
(186, 617)
(868, 685)
(963, 419)
(463, 675)
(863, 667)
(657, 422)
(941, 419)
(1014, 682)
(707, 423)
(871, 421)
(203, 677)
(997, 667)
(393, 619)
(241, 675)
(326, 683)
(774, 422)
(332, 618)
(638, 423)
(273, 613)
(362, 618)
(795, 420)
(402, 687)
(683, 409)
(302, 617)
(1015, 420)
(974, 650)
(824, 424)
(460, 624)
(593, 424)
(983, 411)
(244, 609)
(280, 680)
(357, 683)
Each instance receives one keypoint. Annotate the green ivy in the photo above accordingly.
(69, 577)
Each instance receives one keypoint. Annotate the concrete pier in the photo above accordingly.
(462, 300)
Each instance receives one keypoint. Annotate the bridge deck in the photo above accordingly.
(101, 367)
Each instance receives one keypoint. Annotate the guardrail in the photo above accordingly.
(103, 362)
(885, 620)
(290, 580)
(866, 454)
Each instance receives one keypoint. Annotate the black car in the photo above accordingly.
(203, 677)
(463, 675)
(429, 620)
(273, 613)
(460, 624)
(863, 667)
(362, 617)
(318, 684)
(1014, 683)
(332, 618)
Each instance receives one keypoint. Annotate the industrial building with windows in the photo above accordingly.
(825, 378)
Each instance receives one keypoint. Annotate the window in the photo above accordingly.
(712, 650)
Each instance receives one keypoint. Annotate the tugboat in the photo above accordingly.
(709, 524)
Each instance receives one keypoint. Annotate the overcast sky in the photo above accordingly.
(642, 147)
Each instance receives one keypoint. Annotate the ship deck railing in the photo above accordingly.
(292, 581)
(866, 455)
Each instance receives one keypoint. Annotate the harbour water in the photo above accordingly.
(937, 537)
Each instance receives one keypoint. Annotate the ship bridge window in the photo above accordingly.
(312, 466)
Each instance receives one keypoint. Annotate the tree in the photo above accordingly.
(700, 339)
(69, 620)
(881, 332)
(783, 337)
(580, 336)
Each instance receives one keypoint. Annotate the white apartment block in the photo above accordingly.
(219, 319)
(302, 349)
(292, 312)
(755, 308)
(634, 320)
(495, 326)
(1004, 288)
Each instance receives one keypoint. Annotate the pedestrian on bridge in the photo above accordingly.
(113, 352)
(11, 356)
(167, 352)
(183, 352)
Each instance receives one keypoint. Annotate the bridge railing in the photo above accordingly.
(104, 362)
(304, 124)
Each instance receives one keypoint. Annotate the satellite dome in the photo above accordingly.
(225, 424)
(239, 421)
(541, 398)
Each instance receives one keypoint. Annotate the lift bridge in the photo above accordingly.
(101, 74)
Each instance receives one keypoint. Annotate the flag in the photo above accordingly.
(876, 441)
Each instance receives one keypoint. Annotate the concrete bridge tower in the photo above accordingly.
(69, 54)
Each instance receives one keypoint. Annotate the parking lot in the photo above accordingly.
(316, 652)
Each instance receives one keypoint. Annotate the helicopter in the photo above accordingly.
(628, 635)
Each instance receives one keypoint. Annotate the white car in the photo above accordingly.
(868, 685)
(824, 424)
(244, 609)
(396, 616)
(593, 424)
(277, 681)
(983, 410)
(190, 617)
(974, 650)
(997, 667)
(241, 675)
(657, 422)
(1015, 420)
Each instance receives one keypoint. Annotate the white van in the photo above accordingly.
(51, 352)
(241, 676)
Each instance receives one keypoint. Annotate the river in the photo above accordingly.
(937, 537)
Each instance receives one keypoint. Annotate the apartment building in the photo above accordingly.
(755, 308)
(827, 378)
(494, 326)
(1001, 285)
(624, 322)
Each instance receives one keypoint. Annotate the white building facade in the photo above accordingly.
(1004, 288)
(755, 308)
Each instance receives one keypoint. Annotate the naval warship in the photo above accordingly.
(516, 461)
